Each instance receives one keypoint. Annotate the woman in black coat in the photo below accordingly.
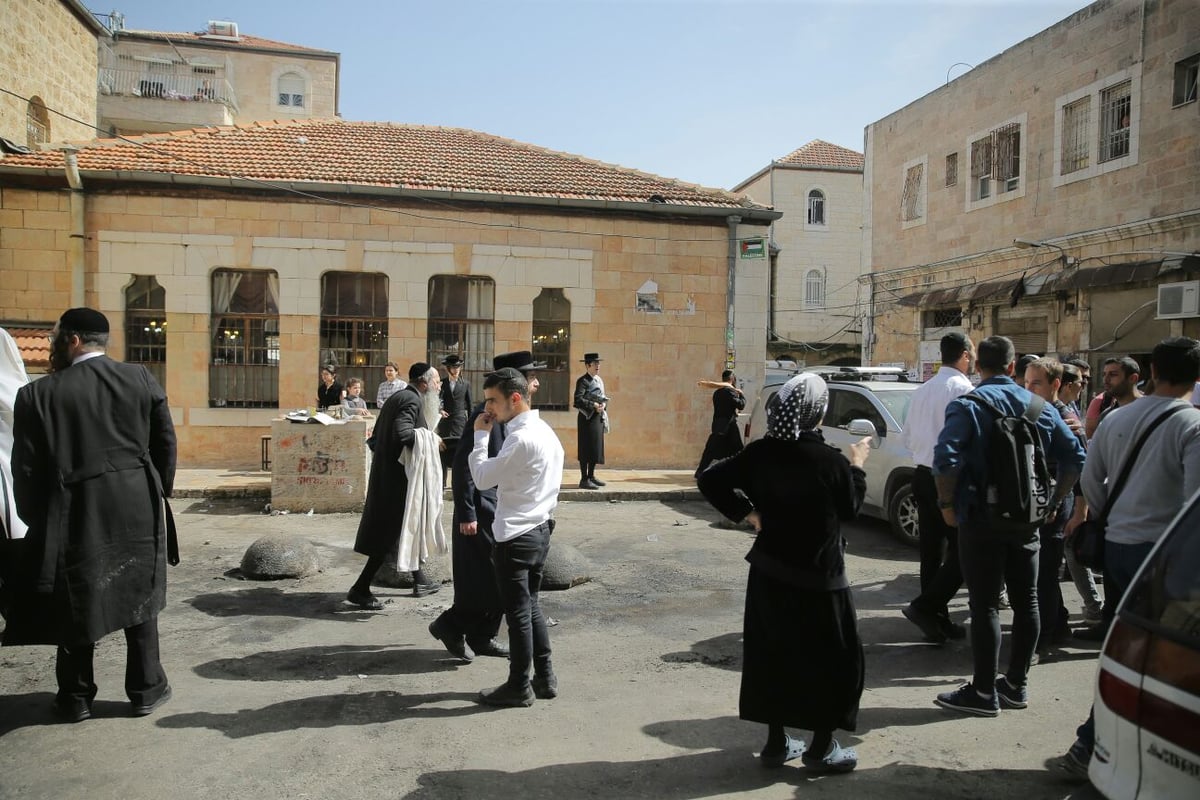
(802, 662)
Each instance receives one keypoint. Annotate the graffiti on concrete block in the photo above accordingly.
(321, 464)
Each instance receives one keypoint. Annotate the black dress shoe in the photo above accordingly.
(506, 695)
(72, 709)
(597, 481)
(455, 643)
(492, 647)
(422, 589)
(364, 600)
(952, 630)
(142, 709)
(927, 622)
(545, 687)
(587, 484)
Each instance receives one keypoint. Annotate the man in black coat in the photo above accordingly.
(93, 458)
(456, 402)
(387, 488)
(469, 627)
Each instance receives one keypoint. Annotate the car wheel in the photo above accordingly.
(903, 515)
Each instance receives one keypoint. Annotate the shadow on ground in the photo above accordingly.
(329, 711)
(273, 602)
(326, 663)
(37, 708)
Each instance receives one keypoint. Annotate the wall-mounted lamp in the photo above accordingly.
(1025, 244)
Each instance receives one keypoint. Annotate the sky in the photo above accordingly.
(707, 92)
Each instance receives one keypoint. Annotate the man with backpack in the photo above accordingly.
(993, 484)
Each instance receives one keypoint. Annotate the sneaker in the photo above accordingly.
(968, 701)
(1011, 696)
(1002, 602)
(1075, 761)
(1092, 615)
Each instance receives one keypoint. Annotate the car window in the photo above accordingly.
(1167, 593)
(846, 405)
(896, 404)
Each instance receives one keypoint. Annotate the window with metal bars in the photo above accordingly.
(1076, 149)
(1186, 73)
(814, 289)
(37, 123)
(461, 321)
(290, 89)
(552, 347)
(942, 318)
(244, 367)
(910, 200)
(146, 326)
(1115, 106)
(996, 157)
(816, 207)
(952, 169)
(354, 324)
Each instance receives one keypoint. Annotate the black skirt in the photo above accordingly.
(591, 439)
(718, 446)
(802, 662)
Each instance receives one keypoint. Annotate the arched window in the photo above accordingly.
(37, 123)
(552, 345)
(290, 90)
(814, 289)
(462, 312)
(244, 371)
(146, 326)
(816, 207)
(354, 325)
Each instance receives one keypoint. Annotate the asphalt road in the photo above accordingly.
(283, 691)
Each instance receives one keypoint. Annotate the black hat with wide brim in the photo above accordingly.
(520, 360)
(588, 358)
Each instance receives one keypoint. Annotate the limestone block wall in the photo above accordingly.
(652, 356)
(319, 467)
(47, 52)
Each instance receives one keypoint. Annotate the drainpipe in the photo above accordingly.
(732, 222)
(77, 236)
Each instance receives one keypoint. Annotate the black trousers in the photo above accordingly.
(941, 573)
(990, 560)
(477, 610)
(145, 680)
(1051, 609)
(519, 564)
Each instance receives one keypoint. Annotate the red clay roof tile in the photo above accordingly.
(34, 344)
(242, 41)
(819, 154)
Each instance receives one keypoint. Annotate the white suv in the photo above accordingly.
(881, 396)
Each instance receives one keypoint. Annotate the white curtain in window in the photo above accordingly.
(224, 286)
(480, 299)
(273, 292)
(814, 289)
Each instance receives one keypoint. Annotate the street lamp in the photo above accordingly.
(1026, 244)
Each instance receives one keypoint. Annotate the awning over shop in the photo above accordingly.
(1066, 280)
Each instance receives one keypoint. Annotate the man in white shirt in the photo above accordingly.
(527, 474)
(940, 578)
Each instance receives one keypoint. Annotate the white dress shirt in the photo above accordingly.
(527, 474)
(927, 412)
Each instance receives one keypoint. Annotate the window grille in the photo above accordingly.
(910, 200)
(552, 346)
(1114, 121)
(244, 367)
(37, 123)
(291, 90)
(952, 169)
(146, 326)
(1077, 117)
(943, 318)
(1186, 72)
(1007, 151)
(354, 324)
(816, 207)
(814, 289)
(461, 321)
(981, 158)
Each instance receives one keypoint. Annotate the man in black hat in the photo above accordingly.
(592, 422)
(93, 459)
(469, 627)
(382, 519)
(456, 402)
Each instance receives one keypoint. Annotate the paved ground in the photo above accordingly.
(283, 691)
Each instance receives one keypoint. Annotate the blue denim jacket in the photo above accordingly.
(962, 445)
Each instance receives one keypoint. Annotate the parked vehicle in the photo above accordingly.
(1147, 702)
(881, 396)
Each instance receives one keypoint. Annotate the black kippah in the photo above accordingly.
(417, 371)
(83, 320)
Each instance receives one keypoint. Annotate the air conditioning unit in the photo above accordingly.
(1178, 300)
(223, 28)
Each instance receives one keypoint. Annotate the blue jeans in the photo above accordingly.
(989, 561)
(519, 564)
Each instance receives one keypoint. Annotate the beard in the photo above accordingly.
(60, 357)
(431, 407)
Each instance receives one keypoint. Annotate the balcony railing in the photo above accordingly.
(188, 86)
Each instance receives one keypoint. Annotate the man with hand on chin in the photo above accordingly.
(527, 474)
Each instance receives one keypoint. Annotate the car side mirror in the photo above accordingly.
(864, 427)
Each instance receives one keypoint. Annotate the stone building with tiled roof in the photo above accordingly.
(814, 312)
(161, 81)
(233, 261)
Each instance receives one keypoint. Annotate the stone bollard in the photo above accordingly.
(565, 567)
(273, 557)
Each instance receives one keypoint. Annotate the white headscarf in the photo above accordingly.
(798, 407)
(12, 378)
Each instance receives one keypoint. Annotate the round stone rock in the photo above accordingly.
(274, 557)
(565, 567)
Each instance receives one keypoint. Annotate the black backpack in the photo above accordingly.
(1018, 487)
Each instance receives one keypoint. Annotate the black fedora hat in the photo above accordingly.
(452, 360)
(590, 357)
(520, 360)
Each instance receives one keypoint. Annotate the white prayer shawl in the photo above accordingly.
(421, 531)
(12, 378)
